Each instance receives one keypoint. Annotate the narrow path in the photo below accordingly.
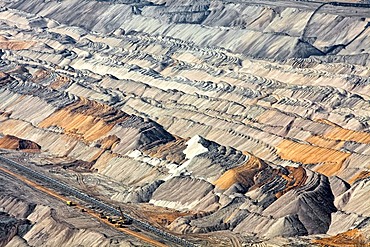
(88, 211)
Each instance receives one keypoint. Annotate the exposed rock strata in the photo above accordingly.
(253, 116)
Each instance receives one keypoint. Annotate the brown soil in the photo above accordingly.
(172, 151)
(296, 178)
(15, 44)
(339, 133)
(161, 216)
(85, 119)
(58, 82)
(359, 176)
(331, 160)
(242, 174)
(326, 143)
(351, 238)
(15, 143)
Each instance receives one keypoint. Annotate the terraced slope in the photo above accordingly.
(253, 116)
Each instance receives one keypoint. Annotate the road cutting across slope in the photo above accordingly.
(94, 214)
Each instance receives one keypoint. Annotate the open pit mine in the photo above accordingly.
(184, 123)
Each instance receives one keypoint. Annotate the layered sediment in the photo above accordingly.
(252, 117)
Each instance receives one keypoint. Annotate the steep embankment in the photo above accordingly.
(252, 116)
